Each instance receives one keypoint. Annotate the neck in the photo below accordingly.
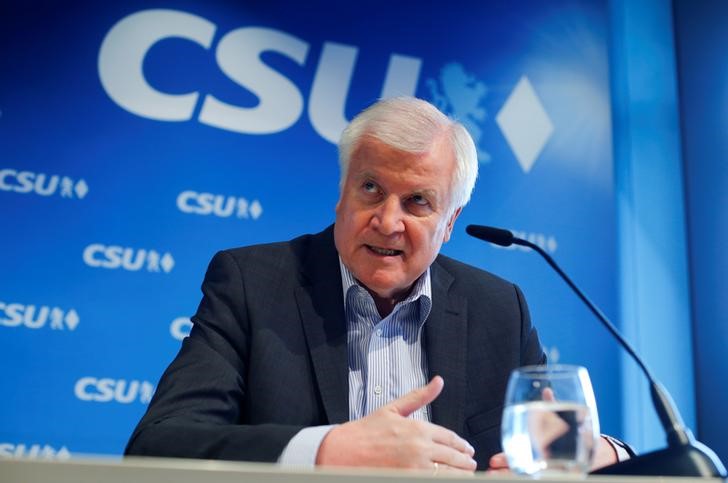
(385, 305)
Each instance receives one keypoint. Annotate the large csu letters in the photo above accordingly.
(123, 50)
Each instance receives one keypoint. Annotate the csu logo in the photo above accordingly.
(113, 256)
(107, 390)
(33, 451)
(34, 317)
(238, 55)
(218, 205)
(41, 184)
(522, 119)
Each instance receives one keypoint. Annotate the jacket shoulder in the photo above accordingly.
(281, 258)
(464, 273)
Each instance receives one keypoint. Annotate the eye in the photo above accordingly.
(419, 205)
(370, 187)
(419, 200)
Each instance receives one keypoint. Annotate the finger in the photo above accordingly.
(548, 394)
(445, 455)
(450, 438)
(498, 462)
(414, 400)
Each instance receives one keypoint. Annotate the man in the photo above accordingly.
(318, 350)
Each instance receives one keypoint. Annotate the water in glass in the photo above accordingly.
(550, 424)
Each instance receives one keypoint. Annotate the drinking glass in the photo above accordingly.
(550, 423)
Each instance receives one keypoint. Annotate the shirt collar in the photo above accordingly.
(421, 289)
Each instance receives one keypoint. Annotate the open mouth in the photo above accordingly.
(385, 252)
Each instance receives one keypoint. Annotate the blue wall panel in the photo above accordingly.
(654, 277)
(702, 34)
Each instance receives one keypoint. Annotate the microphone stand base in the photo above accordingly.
(693, 459)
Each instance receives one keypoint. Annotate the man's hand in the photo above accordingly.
(388, 438)
(604, 452)
(604, 455)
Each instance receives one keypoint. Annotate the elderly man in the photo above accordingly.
(319, 350)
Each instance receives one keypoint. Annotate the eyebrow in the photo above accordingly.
(365, 174)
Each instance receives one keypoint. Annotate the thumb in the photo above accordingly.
(414, 400)
(498, 461)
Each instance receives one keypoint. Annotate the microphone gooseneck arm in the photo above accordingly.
(677, 433)
(669, 416)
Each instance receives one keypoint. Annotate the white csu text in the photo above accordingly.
(238, 55)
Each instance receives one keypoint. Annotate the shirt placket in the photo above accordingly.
(376, 384)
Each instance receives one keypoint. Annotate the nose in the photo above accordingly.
(389, 217)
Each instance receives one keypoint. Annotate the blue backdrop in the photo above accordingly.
(702, 33)
(135, 143)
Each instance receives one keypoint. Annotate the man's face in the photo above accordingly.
(394, 214)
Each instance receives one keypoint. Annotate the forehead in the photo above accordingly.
(373, 157)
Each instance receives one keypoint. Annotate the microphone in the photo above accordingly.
(684, 456)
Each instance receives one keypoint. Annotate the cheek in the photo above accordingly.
(429, 240)
(421, 240)
(350, 227)
(357, 220)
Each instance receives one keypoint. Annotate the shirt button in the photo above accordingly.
(377, 390)
(379, 332)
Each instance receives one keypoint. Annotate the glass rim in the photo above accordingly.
(550, 369)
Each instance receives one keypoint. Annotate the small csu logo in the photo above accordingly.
(113, 256)
(37, 317)
(218, 205)
(180, 328)
(33, 451)
(103, 390)
(42, 184)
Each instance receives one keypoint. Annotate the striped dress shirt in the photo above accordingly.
(386, 359)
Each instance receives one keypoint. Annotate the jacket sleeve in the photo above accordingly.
(197, 410)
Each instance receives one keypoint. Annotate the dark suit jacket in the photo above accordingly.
(267, 355)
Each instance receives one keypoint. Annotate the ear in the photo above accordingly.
(451, 224)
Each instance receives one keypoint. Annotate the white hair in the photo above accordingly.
(413, 125)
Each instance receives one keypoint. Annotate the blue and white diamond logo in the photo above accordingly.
(167, 262)
(525, 124)
(72, 319)
(256, 209)
(81, 189)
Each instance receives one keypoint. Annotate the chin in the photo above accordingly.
(377, 285)
(387, 288)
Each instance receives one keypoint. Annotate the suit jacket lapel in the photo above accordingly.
(321, 306)
(446, 345)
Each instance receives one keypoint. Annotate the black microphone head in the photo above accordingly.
(490, 234)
